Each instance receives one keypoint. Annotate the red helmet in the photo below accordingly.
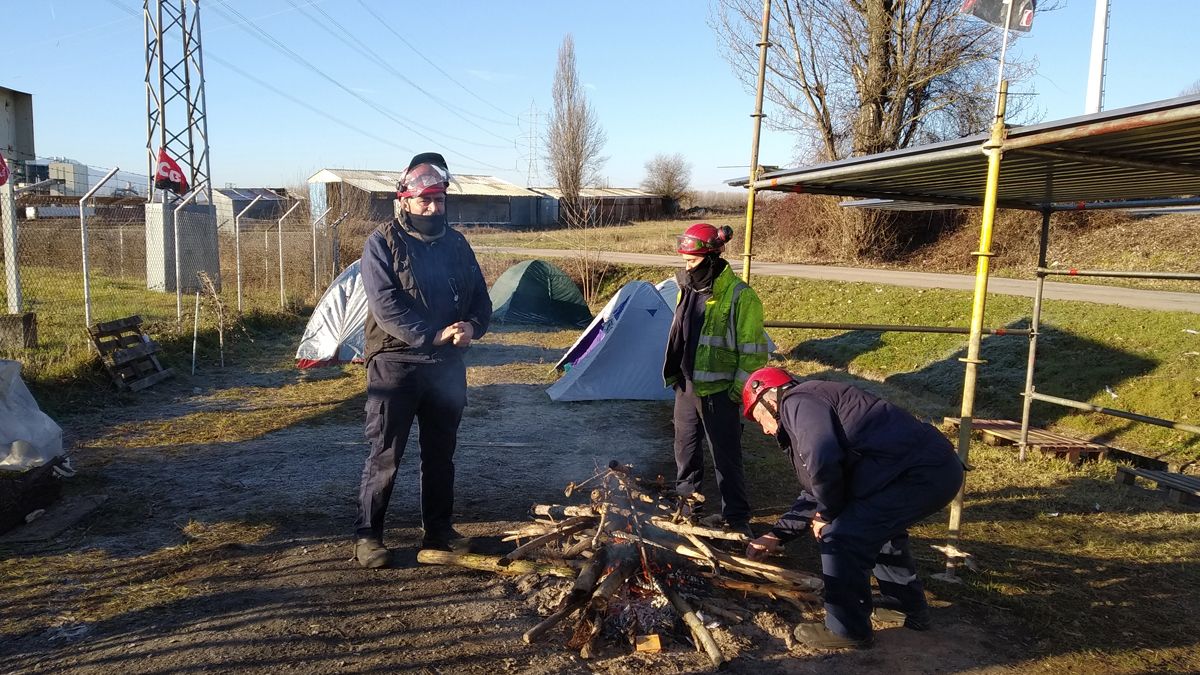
(702, 239)
(759, 383)
(426, 175)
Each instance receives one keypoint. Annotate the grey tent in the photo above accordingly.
(620, 355)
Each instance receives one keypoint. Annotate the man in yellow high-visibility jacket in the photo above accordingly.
(716, 341)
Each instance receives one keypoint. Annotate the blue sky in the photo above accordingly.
(651, 68)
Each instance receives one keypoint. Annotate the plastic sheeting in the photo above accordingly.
(337, 330)
(28, 437)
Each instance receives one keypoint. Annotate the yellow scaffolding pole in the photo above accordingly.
(994, 149)
(758, 104)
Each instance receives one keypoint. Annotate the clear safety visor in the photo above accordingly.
(686, 243)
(423, 179)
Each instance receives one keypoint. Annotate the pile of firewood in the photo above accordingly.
(642, 567)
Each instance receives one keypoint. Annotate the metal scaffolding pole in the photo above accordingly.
(762, 45)
(1034, 328)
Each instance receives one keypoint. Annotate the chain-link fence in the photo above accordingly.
(285, 262)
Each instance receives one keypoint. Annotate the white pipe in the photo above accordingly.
(314, 246)
(175, 225)
(282, 297)
(1094, 102)
(83, 239)
(237, 247)
(12, 271)
(195, 331)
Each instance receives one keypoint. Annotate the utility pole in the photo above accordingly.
(1095, 88)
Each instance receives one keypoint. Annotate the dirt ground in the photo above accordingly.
(234, 556)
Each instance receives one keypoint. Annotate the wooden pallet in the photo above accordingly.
(1008, 432)
(128, 354)
(1180, 488)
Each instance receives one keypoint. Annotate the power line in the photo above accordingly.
(400, 37)
(262, 35)
(350, 39)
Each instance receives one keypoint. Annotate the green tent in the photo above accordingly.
(535, 291)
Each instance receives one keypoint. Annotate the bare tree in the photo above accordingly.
(574, 137)
(854, 77)
(669, 176)
(1192, 89)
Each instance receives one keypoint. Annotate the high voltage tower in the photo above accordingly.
(176, 117)
(529, 122)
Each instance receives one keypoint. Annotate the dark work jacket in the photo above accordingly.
(416, 288)
(845, 444)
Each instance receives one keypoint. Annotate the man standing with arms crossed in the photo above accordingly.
(427, 301)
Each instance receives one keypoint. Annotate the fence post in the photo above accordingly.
(282, 297)
(83, 240)
(314, 246)
(237, 247)
(175, 224)
(12, 274)
(334, 253)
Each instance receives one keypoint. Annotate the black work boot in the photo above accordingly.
(888, 611)
(818, 636)
(446, 540)
(371, 553)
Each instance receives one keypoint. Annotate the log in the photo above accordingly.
(580, 546)
(769, 590)
(579, 596)
(698, 530)
(553, 620)
(560, 512)
(720, 612)
(757, 569)
(597, 607)
(568, 528)
(704, 639)
(709, 555)
(490, 563)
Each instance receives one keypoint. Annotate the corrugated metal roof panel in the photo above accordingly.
(385, 181)
(248, 194)
(601, 193)
(1143, 152)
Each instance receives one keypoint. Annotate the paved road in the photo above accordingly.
(1108, 295)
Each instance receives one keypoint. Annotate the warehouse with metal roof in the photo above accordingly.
(476, 200)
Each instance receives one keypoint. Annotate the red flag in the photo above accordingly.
(3, 171)
(992, 11)
(169, 176)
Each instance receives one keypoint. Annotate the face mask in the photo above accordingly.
(700, 277)
(429, 226)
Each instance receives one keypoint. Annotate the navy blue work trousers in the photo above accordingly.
(871, 535)
(397, 393)
(718, 419)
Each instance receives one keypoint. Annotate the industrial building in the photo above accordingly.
(16, 130)
(476, 200)
(231, 201)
